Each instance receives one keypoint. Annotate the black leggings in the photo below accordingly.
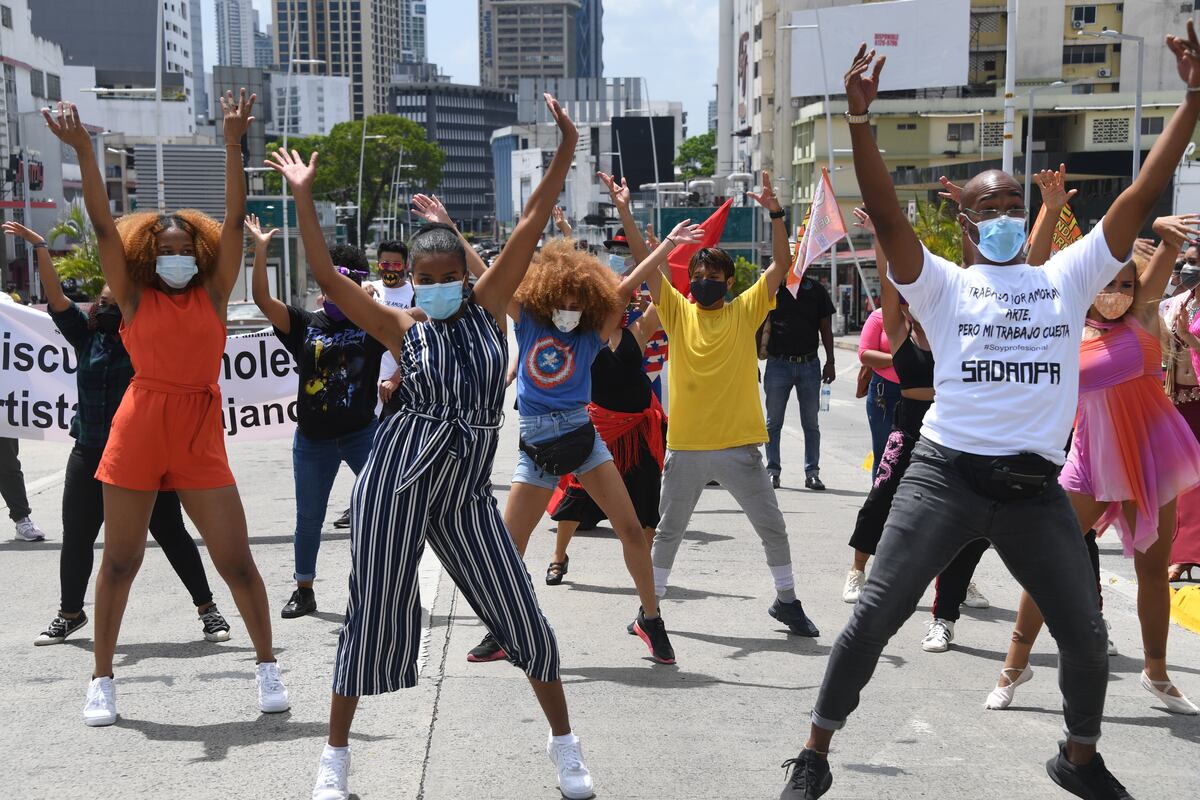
(83, 514)
(12, 480)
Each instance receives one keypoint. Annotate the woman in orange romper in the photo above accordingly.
(172, 276)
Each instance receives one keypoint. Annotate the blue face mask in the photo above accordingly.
(438, 300)
(176, 271)
(1001, 239)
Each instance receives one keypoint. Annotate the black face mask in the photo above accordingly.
(706, 292)
(108, 319)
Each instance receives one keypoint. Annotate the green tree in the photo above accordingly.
(337, 166)
(936, 226)
(745, 273)
(83, 262)
(696, 158)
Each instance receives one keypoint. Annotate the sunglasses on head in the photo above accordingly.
(355, 275)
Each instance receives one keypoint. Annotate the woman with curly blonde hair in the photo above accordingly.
(564, 312)
(171, 276)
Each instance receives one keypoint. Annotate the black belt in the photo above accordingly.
(804, 359)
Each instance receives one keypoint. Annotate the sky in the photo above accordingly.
(681, 66)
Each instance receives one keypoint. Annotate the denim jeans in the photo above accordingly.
(934, 516)
(780, 377)
(882, 396)
(315, 464)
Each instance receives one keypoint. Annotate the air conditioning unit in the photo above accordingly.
(1104, 72)
(1077, 24)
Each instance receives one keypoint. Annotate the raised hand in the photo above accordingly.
(67, 127)
(686, 233)
(953, 191)
(558, 215)
(237, 115)
(1052, 184)
(1144, 248)
(619, 192)
(17, 229)
(861, 87)
(431, 209)
(863, 220)
(651, 237)
(1187, 55)
(260, 237)
(561, 118)
(292, 167)
(766, 198)
(1177, 230)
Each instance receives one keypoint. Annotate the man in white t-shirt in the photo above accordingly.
(1005, 338)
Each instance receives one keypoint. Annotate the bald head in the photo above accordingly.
(992, 184)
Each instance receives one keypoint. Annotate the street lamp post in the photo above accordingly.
(362, 151)
(1108, 33)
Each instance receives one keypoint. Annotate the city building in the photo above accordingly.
(712, 115)
(527, 39)
(589, 55)
(461, 120)
(264, 48)
(235, 33)
(318, 103)
(412, 31)
(200, 104)
(359, 39)
(119, 39)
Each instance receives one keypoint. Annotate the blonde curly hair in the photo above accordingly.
(559, 270)
(139, 234)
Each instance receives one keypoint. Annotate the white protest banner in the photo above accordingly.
(38, 394)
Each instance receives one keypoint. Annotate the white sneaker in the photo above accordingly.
(1175, 703)
(28, 530)
(975, 598)
(332, 774)
(574, 780)
(941, 634)
(272, 695)
(855, 579)
(1112, 646)
(1001, 697)
(101, 706)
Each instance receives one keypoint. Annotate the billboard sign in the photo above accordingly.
(926, 43)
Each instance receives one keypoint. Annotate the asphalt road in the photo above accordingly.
(716, 725)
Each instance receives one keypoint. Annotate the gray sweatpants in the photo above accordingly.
(740, 471)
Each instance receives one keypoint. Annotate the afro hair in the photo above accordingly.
(139, 234)
(558, 271)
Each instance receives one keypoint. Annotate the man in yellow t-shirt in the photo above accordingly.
(717, 423)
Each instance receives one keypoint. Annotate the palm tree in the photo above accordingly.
(83, 263)
(938, 229)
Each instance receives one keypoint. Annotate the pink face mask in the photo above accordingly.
(1112, 305)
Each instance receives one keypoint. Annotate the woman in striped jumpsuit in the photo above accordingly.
(428, 478)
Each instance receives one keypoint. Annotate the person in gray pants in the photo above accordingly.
(717, 424)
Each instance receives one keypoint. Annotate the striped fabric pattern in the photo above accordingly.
(428, 479)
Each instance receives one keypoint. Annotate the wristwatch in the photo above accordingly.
(857, 119)
(780, 214)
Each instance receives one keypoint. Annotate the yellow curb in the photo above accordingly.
(1185, 607)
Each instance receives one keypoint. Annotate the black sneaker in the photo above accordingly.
(1091, 781)
(810, 777)
(302, 602)
(654, 633)
(814, 482)
(344, 520)
(60, 628)
(216, 629)
(792, 614)
(774, 481)
(487, 650)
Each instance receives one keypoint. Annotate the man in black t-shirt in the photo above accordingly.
(790, 342)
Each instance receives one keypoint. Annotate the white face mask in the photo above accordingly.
(176, 271)
(566, 321)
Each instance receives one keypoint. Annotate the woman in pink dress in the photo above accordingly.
(1132, 454)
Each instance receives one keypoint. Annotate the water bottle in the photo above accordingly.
(826, 393)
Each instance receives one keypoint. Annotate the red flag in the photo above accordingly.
(714, 227)
(826, 227)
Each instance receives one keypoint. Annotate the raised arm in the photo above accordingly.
(781, 253)
(56, 299)
(560, 222)
(431, 209)
(684, 233)
(620, 195)
(230, 250)
(384, 323)
(1129, 211)
(894, 323)
(71, 132)
(274, 310)
(1175, 233)
(646, 326)
(874, 180)
(1052, 185)
(495, 289)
